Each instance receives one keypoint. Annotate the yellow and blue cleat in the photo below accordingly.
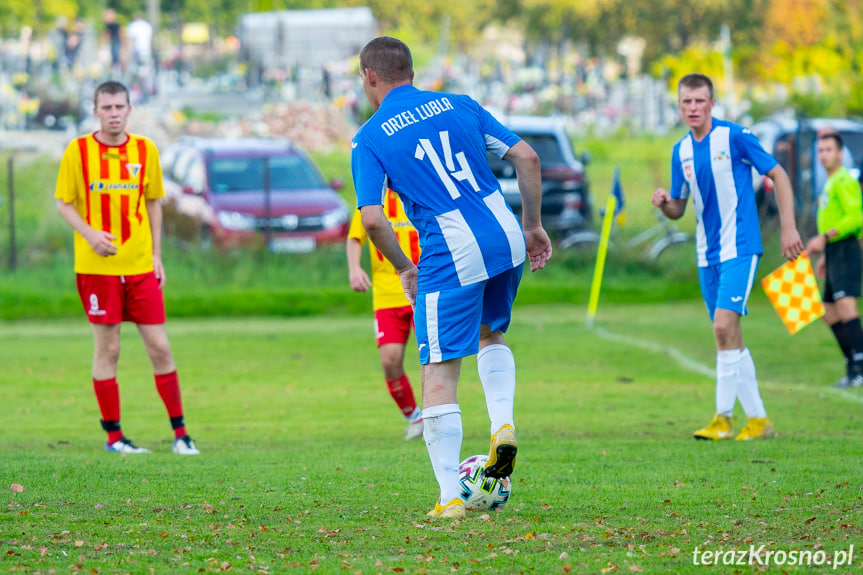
(757, 428)
(452, 510)
(501, 455)
(718, 429)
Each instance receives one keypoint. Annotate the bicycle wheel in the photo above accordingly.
(674, 250)
(580, 241)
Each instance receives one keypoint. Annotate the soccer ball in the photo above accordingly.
(478, 491)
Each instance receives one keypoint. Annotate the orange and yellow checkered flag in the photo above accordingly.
(793, 291)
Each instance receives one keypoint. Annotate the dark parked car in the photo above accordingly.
(794, 143)
(238, 192)
(566, 201)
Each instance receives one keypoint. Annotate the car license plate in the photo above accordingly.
(292, 245)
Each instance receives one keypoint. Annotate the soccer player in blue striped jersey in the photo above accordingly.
(430, 148)
(713, 165)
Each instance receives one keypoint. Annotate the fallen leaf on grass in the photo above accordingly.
(636, 569)
(17, 488)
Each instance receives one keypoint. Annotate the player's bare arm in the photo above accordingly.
(100, 241)
(381, 234)
(357, 276)
(154, 211)
(670, 207)
(792, 245)
(528, 172)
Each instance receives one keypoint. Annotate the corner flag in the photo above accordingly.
(793, 291)
(617, 192)
(613, 210)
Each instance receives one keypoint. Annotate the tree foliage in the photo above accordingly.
(772, 40)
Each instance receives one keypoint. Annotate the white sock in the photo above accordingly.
(727, 380)
(442, 433)
(496, 366)
(747, 389)
(417, 415)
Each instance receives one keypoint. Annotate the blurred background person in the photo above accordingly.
(393, 312)
(113, 34)
(139, 34)
(840, 227)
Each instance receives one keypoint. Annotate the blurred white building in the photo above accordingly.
(304, 39)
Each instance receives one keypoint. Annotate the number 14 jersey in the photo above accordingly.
(430, 148)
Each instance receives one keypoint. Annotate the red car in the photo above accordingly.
(232, 192)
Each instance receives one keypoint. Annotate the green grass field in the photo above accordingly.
(304, 468)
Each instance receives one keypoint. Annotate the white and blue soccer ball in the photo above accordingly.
(478, 491)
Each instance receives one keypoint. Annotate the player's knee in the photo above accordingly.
(160, 351)
(109, 352)
(392, 359)
(488, 337)
(724, 334)
(392, 367)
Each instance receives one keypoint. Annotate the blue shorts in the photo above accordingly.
(727, 285)
(447, 322)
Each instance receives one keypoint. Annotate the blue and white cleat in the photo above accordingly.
(185, 446)
(126, 447)
(414, 430)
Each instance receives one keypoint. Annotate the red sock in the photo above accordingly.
(108, 397)
(403, 394)
(168, 385)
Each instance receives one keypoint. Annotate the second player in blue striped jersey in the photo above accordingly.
(716, 172)
(713, 165)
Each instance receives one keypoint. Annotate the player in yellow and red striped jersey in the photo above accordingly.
(108, 191)
(393, 313)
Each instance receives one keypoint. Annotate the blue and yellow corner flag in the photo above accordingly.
(617, 193)
(614, 210)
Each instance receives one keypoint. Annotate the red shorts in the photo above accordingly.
(112, 299)
(393, 325)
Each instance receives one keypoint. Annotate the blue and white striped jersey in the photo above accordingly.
(717, 173)
(430, 148)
